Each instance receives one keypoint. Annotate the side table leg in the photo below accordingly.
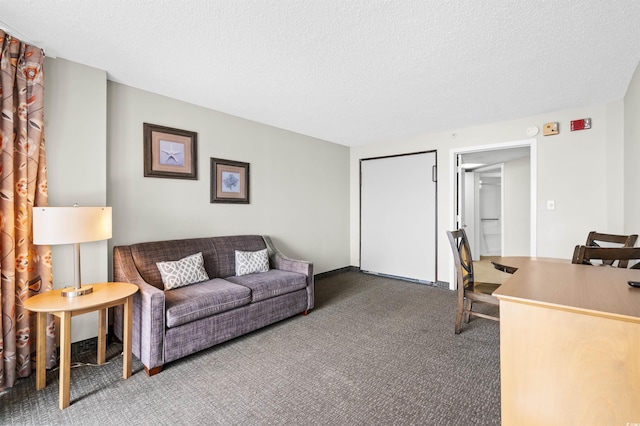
(102, 335)
(126, 337)
(41, 351)
(65, 359)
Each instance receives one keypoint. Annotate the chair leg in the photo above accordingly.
(459, 316)
(467, 311)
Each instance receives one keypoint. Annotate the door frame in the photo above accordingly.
(470, 181)
(533, 161)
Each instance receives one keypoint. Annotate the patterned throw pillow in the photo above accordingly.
(251, 262)
(188, 270)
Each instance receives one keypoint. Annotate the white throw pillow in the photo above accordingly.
(251, 262)
(188, 270)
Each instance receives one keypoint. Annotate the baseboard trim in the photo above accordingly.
(91, 344)
(442, 284)
(439, 284)
(336, 272)
(81, 346)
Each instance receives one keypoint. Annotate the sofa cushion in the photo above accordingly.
(186, 304)
(188, 270)
(225, 261)
(251, 262)
(218, 254)
(145, 256)
(272, 283)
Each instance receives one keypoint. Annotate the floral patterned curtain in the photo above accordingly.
(25, 269)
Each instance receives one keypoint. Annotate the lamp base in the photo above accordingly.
(74, 292)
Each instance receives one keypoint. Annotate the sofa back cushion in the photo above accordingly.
(226, 251)
(218, 254)
(145, 256)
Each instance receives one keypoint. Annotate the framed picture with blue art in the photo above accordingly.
(170, 153)
(229, 181)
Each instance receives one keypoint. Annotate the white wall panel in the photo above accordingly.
(398, 218)
(516, 184)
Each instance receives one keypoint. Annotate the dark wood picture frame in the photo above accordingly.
(229, 181)
(170, 153)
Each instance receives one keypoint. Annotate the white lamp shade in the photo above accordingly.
(69, 225)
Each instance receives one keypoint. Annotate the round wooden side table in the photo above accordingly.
(103, 297)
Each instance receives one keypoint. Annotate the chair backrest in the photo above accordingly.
(610, 239)
(463, 260)
(598, 239)
(608, 255)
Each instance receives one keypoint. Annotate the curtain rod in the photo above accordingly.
(17, 34)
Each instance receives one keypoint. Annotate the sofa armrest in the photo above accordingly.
(284, 263)
(148, 311)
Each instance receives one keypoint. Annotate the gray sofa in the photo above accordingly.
(171, 324)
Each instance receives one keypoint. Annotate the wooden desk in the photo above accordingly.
(569, 344)
(103, 297)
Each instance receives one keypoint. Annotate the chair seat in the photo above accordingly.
(485, 288)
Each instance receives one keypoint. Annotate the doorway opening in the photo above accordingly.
(493, 197)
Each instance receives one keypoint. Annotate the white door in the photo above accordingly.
(398, 216)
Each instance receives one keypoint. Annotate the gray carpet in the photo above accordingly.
(375, 351)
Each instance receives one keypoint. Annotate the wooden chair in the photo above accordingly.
(622, 240)
(608, 255)
(469, 291)
(597, 239)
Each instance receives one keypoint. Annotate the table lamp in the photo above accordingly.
(71, 225)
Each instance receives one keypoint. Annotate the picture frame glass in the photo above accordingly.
(171, 153)
(230, 182)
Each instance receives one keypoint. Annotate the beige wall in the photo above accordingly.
(564, 163)
(299, 185)
(76, 143)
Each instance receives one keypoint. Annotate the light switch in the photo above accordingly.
(551, 205)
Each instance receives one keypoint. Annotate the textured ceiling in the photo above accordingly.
(351, 72)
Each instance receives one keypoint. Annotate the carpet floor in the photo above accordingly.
(374, 351)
